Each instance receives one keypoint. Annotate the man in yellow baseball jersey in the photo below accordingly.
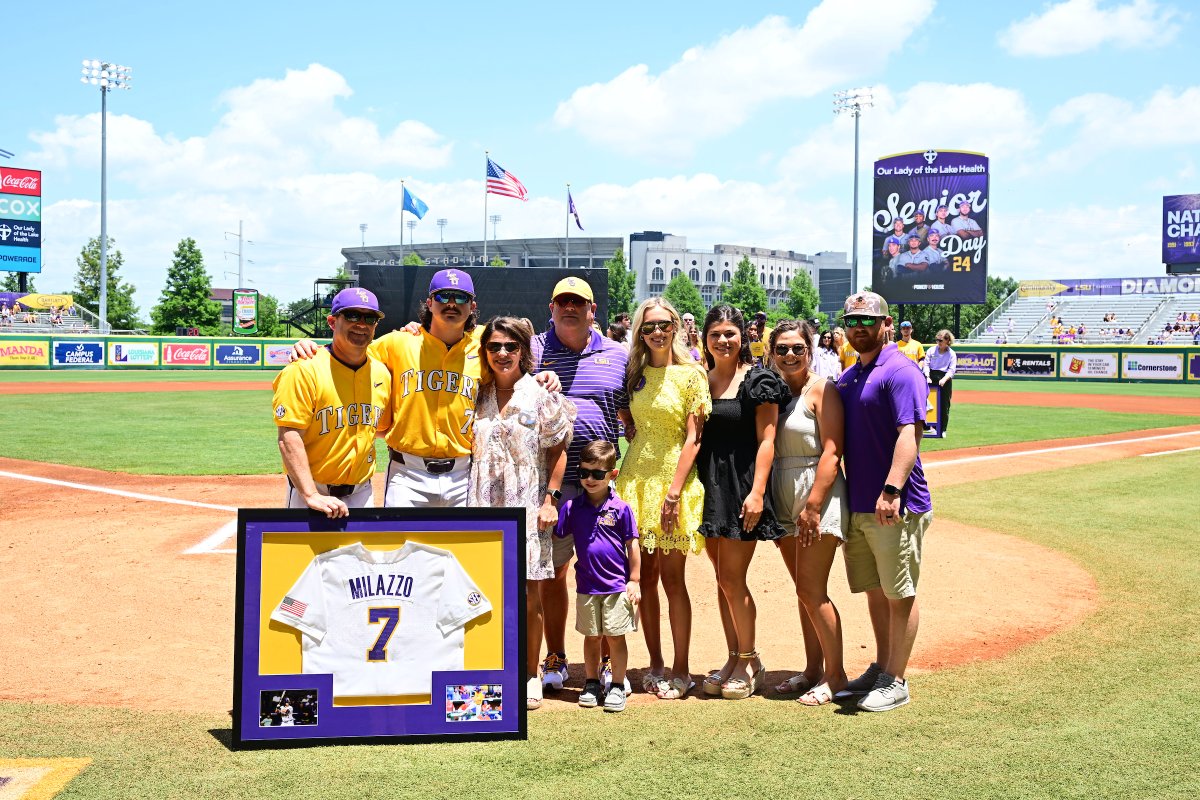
(328, 409)
(910, 346)
(435, 380)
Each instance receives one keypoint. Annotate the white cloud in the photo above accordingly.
(1076, 26)
(1096, 124)
(989, 119)
(713, 88)
(1084, 241)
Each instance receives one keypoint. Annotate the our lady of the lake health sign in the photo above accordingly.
(930, 227)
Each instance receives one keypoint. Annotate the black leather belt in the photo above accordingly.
(335, 489)
(434, 466)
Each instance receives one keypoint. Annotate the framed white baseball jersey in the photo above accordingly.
(381, 622)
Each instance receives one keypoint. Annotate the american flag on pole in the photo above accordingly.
(293, 606)
(501, 181)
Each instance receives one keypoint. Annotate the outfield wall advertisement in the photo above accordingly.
(1181, 229)
(20, 220)
(79, 354)
(1152, 366)
(1039, 364)
(1088, 365)
(1067, 287)
(983, 365)
(930, 227)
(28, 353)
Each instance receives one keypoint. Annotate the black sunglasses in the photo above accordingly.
(796, 349)
(568, 300)
(458, 298)
(594, 474)
(866, 322)
(663, 325)
(361, 316)
(508, 347)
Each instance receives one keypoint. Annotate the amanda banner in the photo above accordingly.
(930, 227)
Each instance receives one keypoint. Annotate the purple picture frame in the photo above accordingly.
(387, 724)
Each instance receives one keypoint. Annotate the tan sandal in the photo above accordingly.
(740, 688)
(676, 688)
(711, 685)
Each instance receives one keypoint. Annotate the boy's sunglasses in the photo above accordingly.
(458, 298)
(361, 316)
(663, 325)
(594, 474)
(508, 347)
(796, 349)
(866, 322)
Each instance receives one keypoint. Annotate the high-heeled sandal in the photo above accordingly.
(711, 685)
(740, 688)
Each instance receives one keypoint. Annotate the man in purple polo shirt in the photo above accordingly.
(591, 368)
(884, 396)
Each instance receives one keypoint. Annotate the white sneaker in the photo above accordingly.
(533, 693)
(889, 693)
(614, 700)
(554, 672)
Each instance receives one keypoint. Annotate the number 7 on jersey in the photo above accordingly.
(390, 617)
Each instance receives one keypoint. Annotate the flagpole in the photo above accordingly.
(402, 223)
(487, 159)
(567, 246)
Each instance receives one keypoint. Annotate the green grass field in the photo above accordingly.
(1081, 387)
(1104, 709)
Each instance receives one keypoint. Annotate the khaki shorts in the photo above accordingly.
(604, 614)
(885, 557)
(564, 546)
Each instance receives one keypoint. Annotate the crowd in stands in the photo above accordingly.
(1185, 323)
(10, 315)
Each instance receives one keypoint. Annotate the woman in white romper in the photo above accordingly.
(810, 497)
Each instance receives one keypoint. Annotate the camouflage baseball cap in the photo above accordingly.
(865, 304)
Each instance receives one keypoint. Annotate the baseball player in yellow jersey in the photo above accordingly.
(910, 346)
(435, 380)
(328, 409)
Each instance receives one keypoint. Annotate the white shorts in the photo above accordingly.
(361, 497)
(411, 485)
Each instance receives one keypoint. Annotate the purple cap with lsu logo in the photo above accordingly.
(355, 297)
(451, 279)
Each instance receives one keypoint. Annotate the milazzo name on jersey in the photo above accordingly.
(365, 587)
(351, 415)
(437, 380)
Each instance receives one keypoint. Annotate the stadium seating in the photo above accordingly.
(1031, 319)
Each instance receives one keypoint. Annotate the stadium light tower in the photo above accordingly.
(442, 223)
(495, 220)
(362, 228)
(852, 102)
(108, 77)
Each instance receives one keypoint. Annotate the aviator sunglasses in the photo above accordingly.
(663, 325)
(796, 350)
(866, 322)
(508, 347)
(451, 296)
(360, 316)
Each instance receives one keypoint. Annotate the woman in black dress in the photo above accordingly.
(735, 464)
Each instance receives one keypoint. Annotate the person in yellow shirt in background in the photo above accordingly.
(911, 347)
(847, 355)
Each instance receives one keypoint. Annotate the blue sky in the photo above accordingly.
(710, 120)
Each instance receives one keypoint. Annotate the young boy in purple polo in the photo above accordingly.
(884, 396)
(607, 572)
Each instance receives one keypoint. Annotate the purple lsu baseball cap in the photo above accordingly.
(356, 298)
(452, 279)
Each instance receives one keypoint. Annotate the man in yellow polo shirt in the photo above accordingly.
(910, 346)
(328, 409)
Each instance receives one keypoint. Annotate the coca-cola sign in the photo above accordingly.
(20, 181)
(186, 354)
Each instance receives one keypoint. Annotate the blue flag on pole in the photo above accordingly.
(414, 205)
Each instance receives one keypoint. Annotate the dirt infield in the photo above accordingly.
(132, 620)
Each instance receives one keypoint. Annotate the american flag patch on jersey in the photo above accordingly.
(293, 606)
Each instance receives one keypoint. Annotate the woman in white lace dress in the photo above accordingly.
(519, 457)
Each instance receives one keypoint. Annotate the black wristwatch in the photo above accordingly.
(555, 493)
(893, 491)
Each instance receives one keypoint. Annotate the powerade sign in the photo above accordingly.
(1030, 365)
(1181, 229)
(238, 355)
(78, 354)
(930, 227)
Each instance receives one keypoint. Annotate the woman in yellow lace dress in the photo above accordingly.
(669, 400)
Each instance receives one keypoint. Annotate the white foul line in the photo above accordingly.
(209, 545)
(973, 459)
(118, 492)
(1169, 452)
